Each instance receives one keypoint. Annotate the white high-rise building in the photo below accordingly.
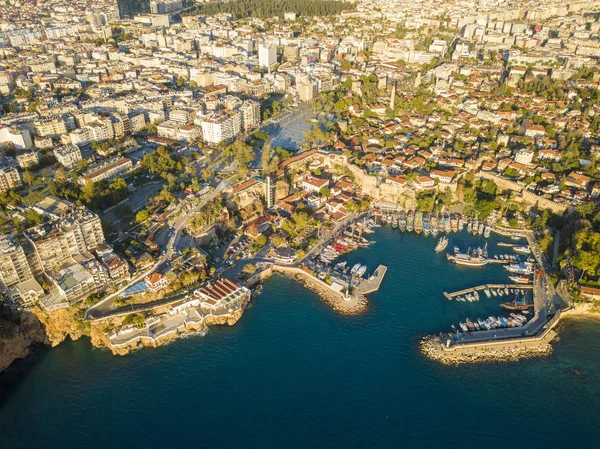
(250, 114)
(13, 263)
(267, 55)
(221, 127)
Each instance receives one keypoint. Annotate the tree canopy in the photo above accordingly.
(262, 9)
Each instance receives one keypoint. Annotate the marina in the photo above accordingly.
(348, 281)
(452, 295)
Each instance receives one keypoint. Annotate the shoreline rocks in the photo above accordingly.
(20, 332)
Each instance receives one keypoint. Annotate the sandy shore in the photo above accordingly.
(583, 310)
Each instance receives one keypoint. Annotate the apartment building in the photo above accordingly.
(168, 129)
(81, 136)
(117, 268)
(79, 280)
(137, 122)
(27, 159)
(58, 242)
(102, 129)
(13, 263)
(220, 127)
(16, 278)
(267, 55)
(68, 156)
(120, 124)
(9, 178)
(250, 114)
(307, 90)
(50, 127)
(16, 137)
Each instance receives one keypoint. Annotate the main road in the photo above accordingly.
(173, 235)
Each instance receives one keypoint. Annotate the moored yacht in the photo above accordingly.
(442, 244)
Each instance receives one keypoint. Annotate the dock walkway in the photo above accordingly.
(373, 283)
(451, 295)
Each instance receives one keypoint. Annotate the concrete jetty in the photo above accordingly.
(373, 283)
(451, 295)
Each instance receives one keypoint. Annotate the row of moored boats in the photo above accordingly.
(348, 240)
(493, 322)
(432, 224)
(489, 292)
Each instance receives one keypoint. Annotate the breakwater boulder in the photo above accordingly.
(433, 348)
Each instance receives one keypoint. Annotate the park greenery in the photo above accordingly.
(262, 9)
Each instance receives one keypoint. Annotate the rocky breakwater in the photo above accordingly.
(20, 332)
(351, 305)
(433, 348)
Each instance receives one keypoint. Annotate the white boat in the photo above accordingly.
(441, 245)
(487, 292)
(494, 292)
(362, 270)
(522, 249)
(355, 268)
(520, 268)
(340, 266)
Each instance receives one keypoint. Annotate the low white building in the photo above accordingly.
(524, 156)
(106, 169)
(314, 185)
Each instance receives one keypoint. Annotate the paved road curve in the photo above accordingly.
(173, 234)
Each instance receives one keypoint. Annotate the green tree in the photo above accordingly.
(28, 177)
(142, 216)
(325, 191)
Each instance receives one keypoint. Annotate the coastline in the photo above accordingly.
(56, 326)
(345, 306)
(583, 310)
(190, 329)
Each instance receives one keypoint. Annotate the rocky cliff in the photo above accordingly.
(19, 333)
(61, 324)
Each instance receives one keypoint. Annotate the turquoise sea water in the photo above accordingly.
(292, 373)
